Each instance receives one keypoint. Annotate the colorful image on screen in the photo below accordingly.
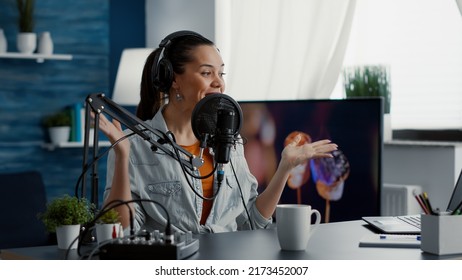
(345, 187)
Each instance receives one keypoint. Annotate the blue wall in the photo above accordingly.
(31, 90)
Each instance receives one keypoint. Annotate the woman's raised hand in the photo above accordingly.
(295, 154)
(113, 131)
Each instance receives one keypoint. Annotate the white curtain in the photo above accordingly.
(282, 49)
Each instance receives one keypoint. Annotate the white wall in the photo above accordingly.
(165, 16)
(433, 166)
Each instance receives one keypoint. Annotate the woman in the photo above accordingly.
(184, 69)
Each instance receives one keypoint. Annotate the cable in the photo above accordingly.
(88, 166)
(116, 203)
(195, 176)
(166, 139)
(106, 209)
(176, 156)
(70, 246)
(170, 140)
(242, 196)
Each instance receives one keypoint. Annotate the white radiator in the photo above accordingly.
(399, 200)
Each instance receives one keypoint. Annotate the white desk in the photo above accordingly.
(334, 241)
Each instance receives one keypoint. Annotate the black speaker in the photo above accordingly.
(162, 69)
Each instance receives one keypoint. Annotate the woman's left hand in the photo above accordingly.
(295, 154)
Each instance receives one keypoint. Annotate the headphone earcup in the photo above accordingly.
(163, 75)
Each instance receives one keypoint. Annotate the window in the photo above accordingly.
(421, 41)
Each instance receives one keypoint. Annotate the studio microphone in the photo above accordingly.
(216, 121)
(224, 135)
(224, 140)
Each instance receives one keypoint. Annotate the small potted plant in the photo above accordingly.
(26, 39)
(107, 225)
(65, 215)
(368, 81)
(371, 81)
(59, 126)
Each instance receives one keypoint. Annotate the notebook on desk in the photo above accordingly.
(410, 224)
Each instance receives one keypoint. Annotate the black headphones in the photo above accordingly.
(162, 69)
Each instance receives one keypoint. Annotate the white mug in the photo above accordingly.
(293, 223)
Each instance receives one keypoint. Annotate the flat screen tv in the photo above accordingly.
(344, 188)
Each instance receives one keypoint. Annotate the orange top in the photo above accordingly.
(207, 183)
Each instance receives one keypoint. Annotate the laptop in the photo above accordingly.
(410, 224)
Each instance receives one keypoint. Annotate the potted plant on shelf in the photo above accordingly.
(65, 215)
(107, 225)
(59, 126)
(26, 39)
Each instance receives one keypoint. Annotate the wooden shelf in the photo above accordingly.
(37, 56)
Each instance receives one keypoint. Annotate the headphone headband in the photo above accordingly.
(167, 40)
(162, 69)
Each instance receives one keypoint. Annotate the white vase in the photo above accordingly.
(26, 42)
(104, 231)
(3, 42)
(59, 134)
(45, 45)
(66, 235)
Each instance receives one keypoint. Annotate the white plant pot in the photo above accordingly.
(65, 235)
(104, 231)
(26, 42)
(59, 134)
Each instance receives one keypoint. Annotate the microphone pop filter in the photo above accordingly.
(205, 115)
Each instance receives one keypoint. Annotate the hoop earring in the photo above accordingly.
(178, 96)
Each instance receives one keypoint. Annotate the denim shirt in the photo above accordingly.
(159, 177)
